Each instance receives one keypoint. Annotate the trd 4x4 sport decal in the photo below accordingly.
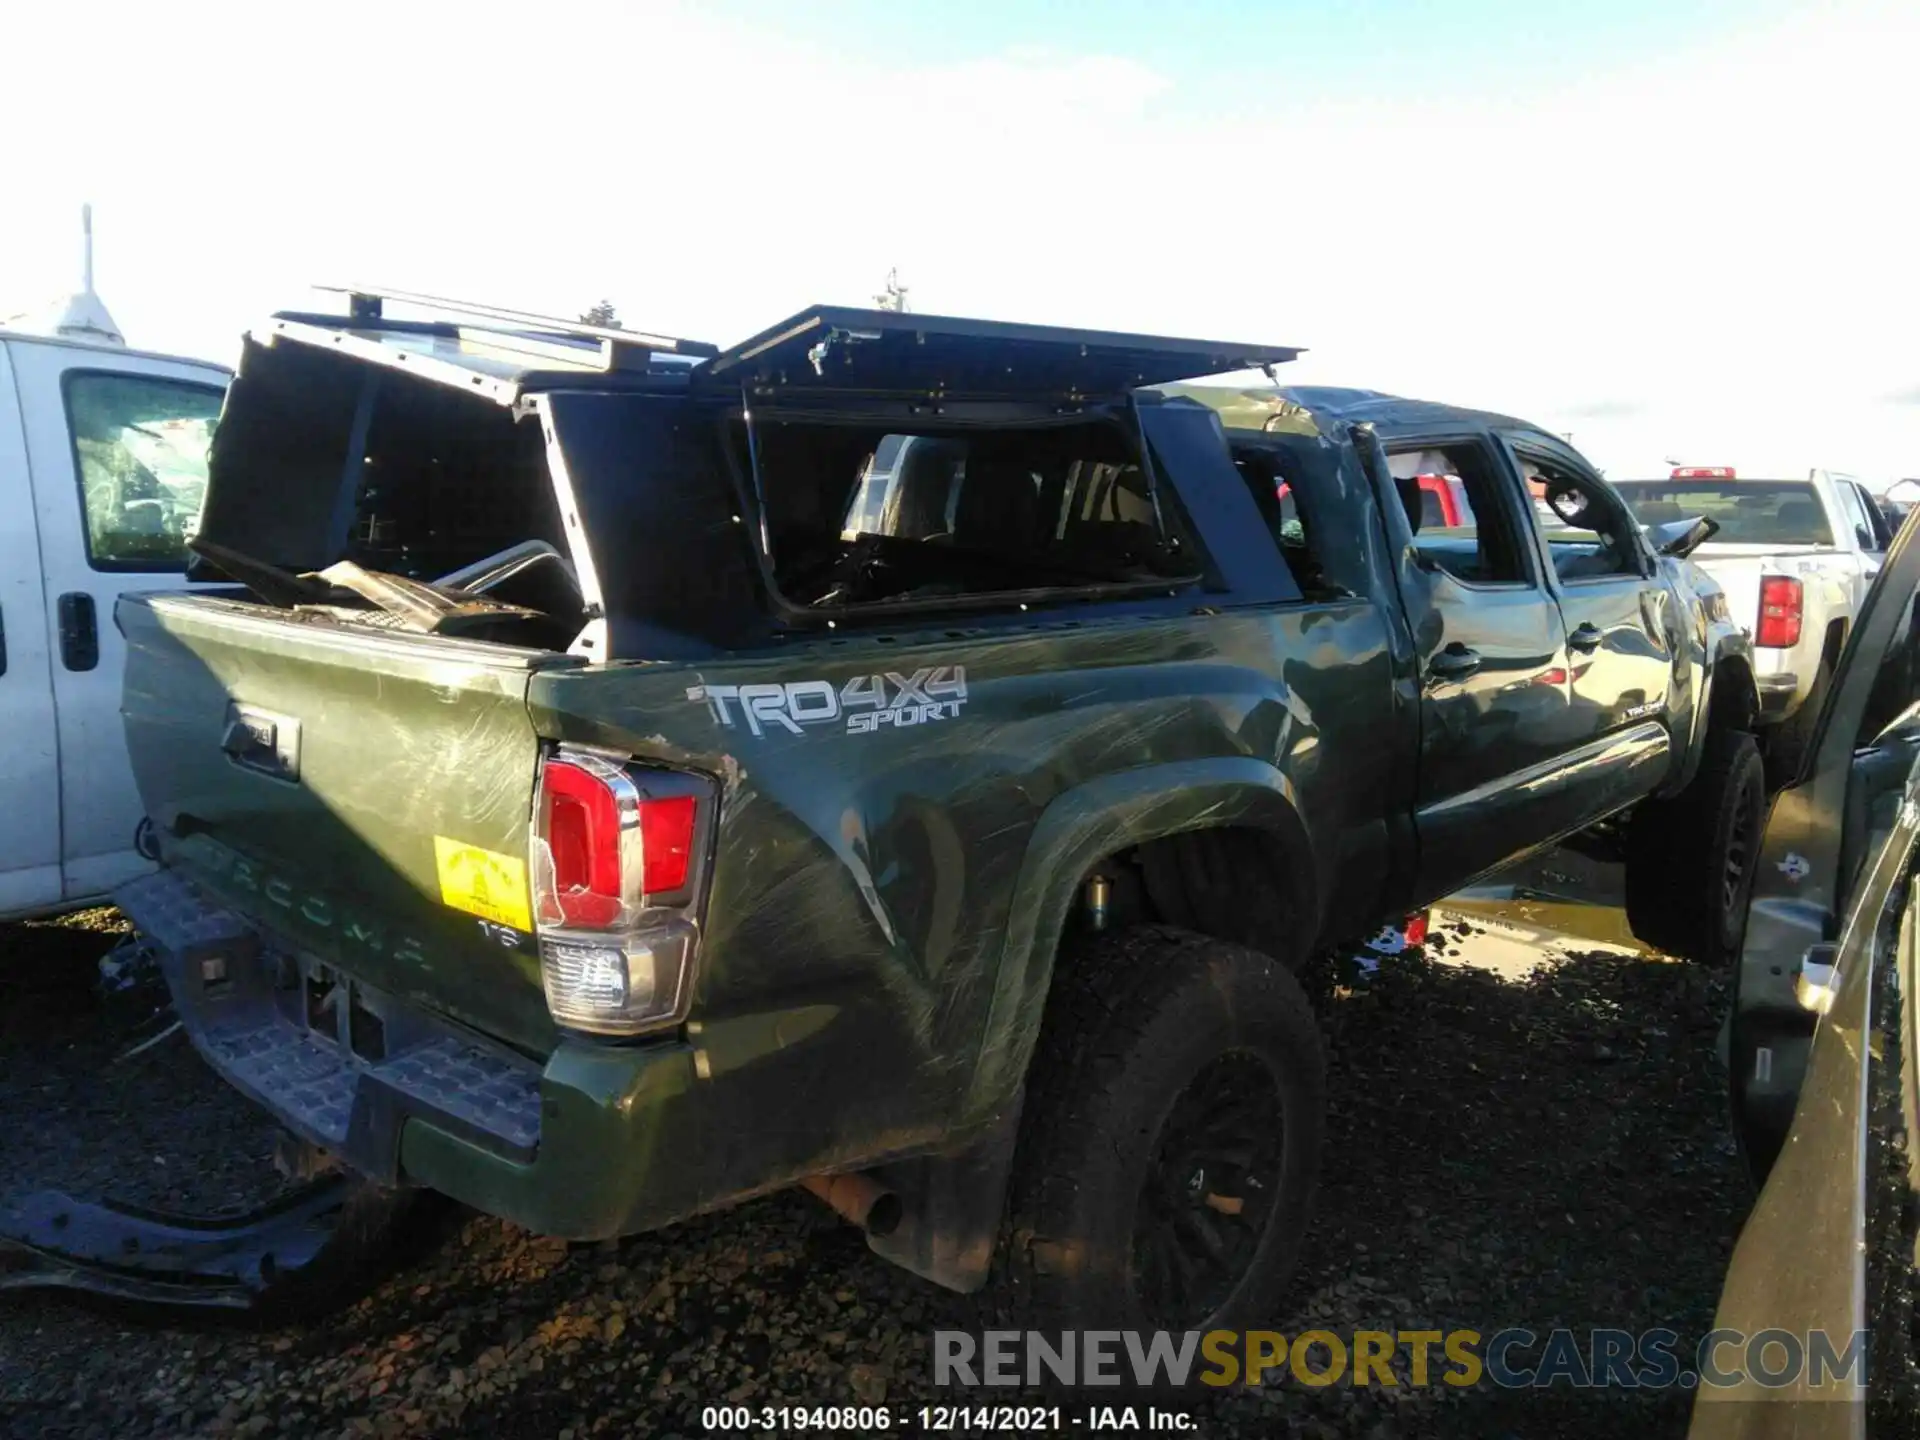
(866, 702)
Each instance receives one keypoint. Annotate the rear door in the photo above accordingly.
(1493, 671)
(30, 756)
(116, 446)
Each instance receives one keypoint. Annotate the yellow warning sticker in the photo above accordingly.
(483, 882)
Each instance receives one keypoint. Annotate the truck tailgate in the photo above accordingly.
(1740, 568)
(1739, 576)
(364, 797)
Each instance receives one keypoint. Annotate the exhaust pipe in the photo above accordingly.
(858, 1199)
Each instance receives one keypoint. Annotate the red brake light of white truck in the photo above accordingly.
(615, 871)
(1703, 472)
(1781, 605)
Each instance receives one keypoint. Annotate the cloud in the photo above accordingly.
(1909, 396)
(1605, 409)
(1710, 232)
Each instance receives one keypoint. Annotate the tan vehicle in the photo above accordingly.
(1825, 1045)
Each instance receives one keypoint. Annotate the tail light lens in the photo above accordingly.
(666, 838)
(617, 861)
(1782, 602)
(1416, 929)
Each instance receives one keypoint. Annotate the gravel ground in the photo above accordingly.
(65, 1088)
(1539, 1150)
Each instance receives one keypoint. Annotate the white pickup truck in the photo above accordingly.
(102, 469)
(1795, 557)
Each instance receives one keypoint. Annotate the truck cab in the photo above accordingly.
(102, 471)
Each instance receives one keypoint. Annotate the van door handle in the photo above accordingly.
(1585, 636)
(79, 634)
(1456, 662)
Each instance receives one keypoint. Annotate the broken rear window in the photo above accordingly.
(859, 515)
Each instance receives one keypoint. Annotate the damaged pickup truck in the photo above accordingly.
(906, 757)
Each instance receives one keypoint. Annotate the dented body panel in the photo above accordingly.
(894, 893)
(908, 804)
(380, 750)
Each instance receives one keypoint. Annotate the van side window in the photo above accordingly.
(140, 452)
(1452, 504)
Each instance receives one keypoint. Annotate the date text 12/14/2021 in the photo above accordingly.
(942, 1419)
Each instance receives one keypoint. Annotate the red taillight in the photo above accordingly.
(1416, 929)
(1703, 472)
(1781, 602)
(615, 876)
(666, 840)
(581, 824)
(610, 845)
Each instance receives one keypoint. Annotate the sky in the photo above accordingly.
(1679, 231)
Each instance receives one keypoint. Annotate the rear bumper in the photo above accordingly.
(586, 1146)
(1779, 695)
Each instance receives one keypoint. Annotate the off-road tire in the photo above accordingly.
(1135, 1019)
(1681, 895)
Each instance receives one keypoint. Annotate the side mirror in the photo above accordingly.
(1680, 538)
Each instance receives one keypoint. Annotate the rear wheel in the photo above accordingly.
(1171, 1143)
(1690, 859)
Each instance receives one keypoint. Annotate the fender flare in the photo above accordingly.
(1077, 829)
(1723, 643)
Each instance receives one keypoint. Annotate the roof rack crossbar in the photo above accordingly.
(364, 303)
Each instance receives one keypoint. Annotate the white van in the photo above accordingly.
(103, 455)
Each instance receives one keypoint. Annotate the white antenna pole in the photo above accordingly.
(86, 248)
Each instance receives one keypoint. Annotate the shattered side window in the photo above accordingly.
(1474, 541)
(140, 452)
(1589, 533)
(1278, 484)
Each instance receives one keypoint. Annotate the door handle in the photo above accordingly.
(79, 634)
(257, 740)
(1456, 662)
(1585, 636)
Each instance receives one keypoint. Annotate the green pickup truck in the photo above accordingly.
(912, 758)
